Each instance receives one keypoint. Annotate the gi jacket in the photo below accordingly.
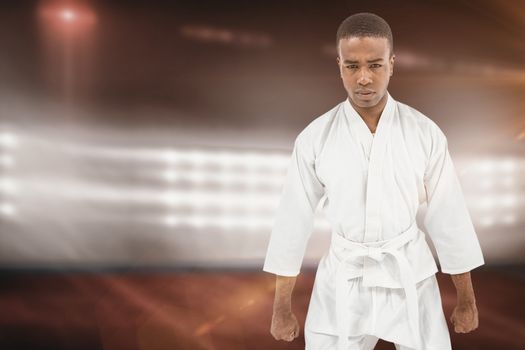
(374, 186)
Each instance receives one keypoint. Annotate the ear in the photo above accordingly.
(392, 59)
(339, 66)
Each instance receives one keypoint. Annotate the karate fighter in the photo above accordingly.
(375, 161)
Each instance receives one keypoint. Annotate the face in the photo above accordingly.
(365, 66)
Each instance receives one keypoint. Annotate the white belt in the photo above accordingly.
(344, 273)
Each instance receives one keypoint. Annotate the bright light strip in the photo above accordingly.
(244, 159)
(223, 178)
(497, 181)
(495, 201)
(487, 184)
(485, 203)
(506, 219)
(8, 139)
(227, 159)
(7, 209)
(230, 222)
(201, 199)
(487, 221)
(508, 181)
(509, 219)
(486, 166)
(7, 185)
(508, 200)
(6, 161)
(184, 197)
(194, 157)
(505, 165)
(225, 36)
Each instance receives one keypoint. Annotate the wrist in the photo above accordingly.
(466, 301)
(281, 309)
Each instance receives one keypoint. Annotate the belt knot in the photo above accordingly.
(376, 253)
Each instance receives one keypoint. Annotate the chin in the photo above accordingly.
(365, 104)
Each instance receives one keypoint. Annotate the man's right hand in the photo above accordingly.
(284, 326)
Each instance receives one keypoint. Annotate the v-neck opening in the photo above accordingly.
(361, 131)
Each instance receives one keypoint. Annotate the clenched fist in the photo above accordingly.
(465, 317)
(284, 326)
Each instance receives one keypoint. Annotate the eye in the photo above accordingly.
(376, 65)
(352, 66)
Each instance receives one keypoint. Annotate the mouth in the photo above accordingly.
(365, 94)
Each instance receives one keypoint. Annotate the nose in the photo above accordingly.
(364, 77)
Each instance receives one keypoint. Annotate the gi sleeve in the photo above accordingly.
(293, 224)
(447, 219)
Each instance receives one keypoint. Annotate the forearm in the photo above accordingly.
(464, 289)
(283, 293)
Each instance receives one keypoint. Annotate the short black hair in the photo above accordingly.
(364, 24)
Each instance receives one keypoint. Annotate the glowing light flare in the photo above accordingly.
(225, 36)
(170, 175)
(7, 185)
(486, 166)
(487, 184)
(171, 156)
(496, 201)
(509, 219)
(508, 181)
(66, 19)
(203, 199)
(195, 198)
(7, 209)
(226, 159)
(223, 178)
(505, 165)
(8, 140)
(224, 221)
(520, 136)
(508, 165)
(487, 221)
(412, 60)
(6, 161)
(506, 219)
(172, 221)
(68, 15)
(509, 200)
(486, 203)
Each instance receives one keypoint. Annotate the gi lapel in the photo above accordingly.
(360, 133)
(378, 145)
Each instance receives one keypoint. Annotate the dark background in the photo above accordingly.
(143, 145)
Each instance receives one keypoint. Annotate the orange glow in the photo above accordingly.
(68, 15)
(67, 32)
(62, 16)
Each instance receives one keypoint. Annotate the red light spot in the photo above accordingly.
(68, 15)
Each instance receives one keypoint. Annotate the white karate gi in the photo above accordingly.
(378, 277)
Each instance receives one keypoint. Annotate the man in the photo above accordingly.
(376, 160)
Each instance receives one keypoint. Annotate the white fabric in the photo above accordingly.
(432, 321)
(373, 187)
(320, 341)
(352, 250)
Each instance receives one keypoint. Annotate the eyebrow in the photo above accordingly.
(369, 61)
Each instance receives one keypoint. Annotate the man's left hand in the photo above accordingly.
(465, 317)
